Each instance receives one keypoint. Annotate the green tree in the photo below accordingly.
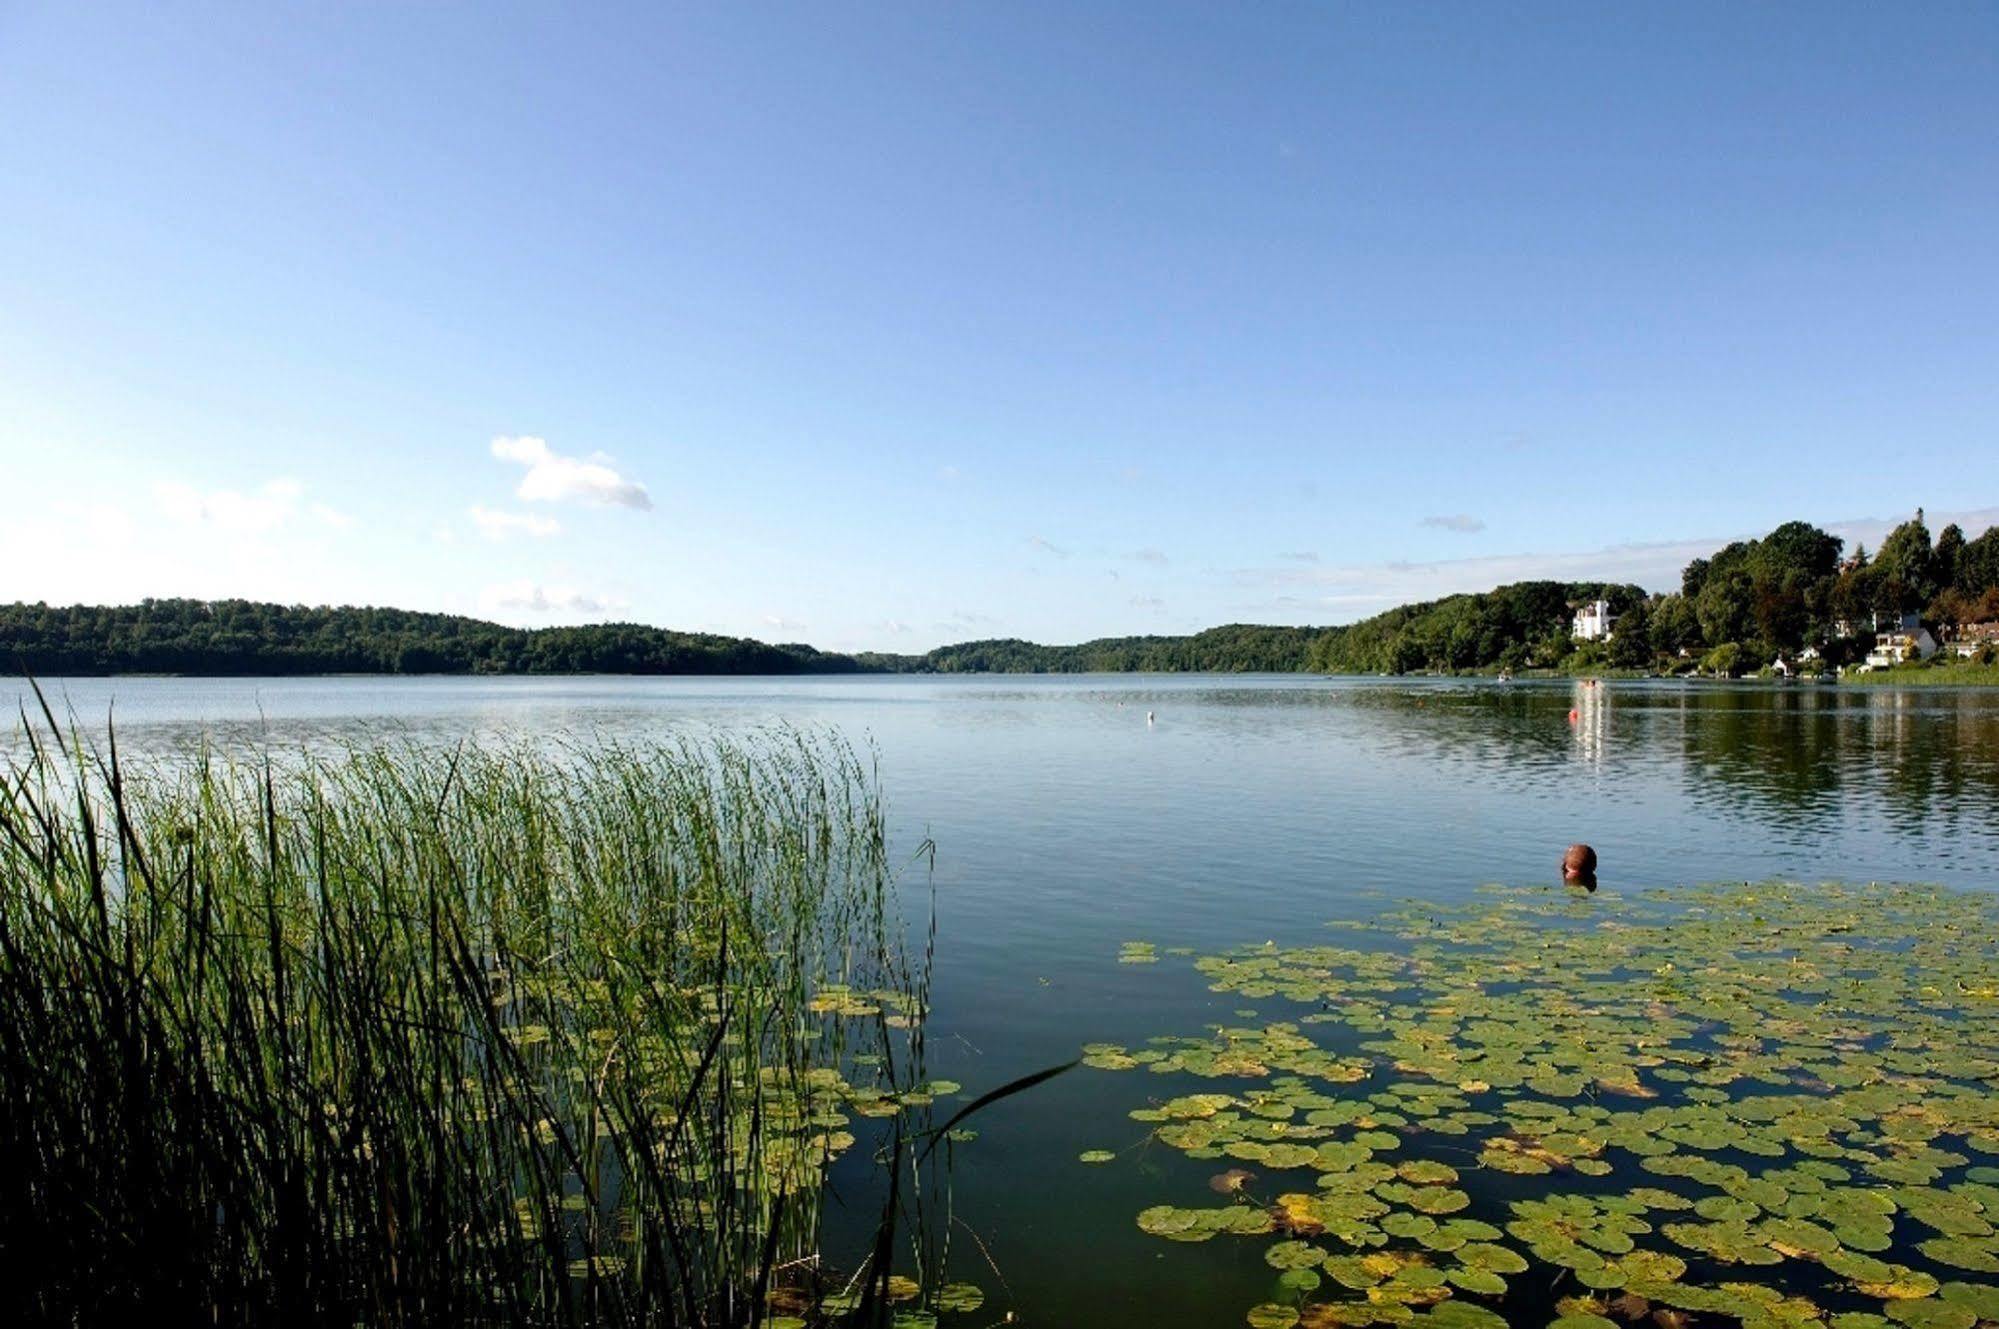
(1978, 563)
(1631, 644)
(1724, 660)
(1949, 552)
(1674, 624)
(1903, 571)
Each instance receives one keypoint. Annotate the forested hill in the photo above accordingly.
(240, 637)
(1527, 623)
(1735, 611)
(1237, 648)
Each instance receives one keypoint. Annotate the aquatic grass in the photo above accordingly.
(1950, 674)
(399, 1035)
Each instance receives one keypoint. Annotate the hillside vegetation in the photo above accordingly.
(1735, 611)
(240, 637)
(1237, 648)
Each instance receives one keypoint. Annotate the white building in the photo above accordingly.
(1594, 621)
(1899, 645)
(1975, 637)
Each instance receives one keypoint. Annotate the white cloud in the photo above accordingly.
(1156, 557)
(164, 539)
(782, 624)
(962, 620)
(1462, 522)
(1355, 587)
(1047, 546)
(71, 553)
(531, 597)
(1147, 602)
(495, 525)
(1358, 589)
(267, 509)
(1871, 531)
(339, 521)
(554, 478)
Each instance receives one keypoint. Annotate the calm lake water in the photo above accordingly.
(1249, 808)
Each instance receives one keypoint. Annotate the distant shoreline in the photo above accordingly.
(1942, 676)
(1750, 609)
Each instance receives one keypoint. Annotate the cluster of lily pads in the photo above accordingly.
(1765, 1104)
(903, 1293)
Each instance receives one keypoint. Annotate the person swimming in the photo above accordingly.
(1579, 866)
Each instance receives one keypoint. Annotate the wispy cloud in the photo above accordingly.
(1301, 556)
(966, 620)
(1462, 522)
(272, 506)
(1147, 602)
(1047, 546)
(533, 598)
(495, 525)
(1345, 591)
(1156, 557)
(178, 540)
(554, 478)
(783, 624)
(328, 516)
(1871, 531)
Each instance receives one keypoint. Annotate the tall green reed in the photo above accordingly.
(496, 1035)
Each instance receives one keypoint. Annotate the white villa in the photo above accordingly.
(1901, 644)
(1594, 621)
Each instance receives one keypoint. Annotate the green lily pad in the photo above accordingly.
(960, 1297)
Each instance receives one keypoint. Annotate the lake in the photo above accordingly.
(1072, 815)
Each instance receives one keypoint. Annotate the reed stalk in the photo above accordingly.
(399, 1035)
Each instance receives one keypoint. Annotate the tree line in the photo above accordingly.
(1236, 648)
(1736, 609)
(224, 637)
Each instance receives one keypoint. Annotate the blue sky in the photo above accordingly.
(886, 325)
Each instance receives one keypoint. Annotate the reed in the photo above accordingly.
(401, 1035)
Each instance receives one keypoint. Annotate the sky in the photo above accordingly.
(890, 324)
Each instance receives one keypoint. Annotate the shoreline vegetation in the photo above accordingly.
(406, 1036)
(1956, 674)
(1736, 613)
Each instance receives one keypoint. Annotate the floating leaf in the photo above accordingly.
(960, 1297)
